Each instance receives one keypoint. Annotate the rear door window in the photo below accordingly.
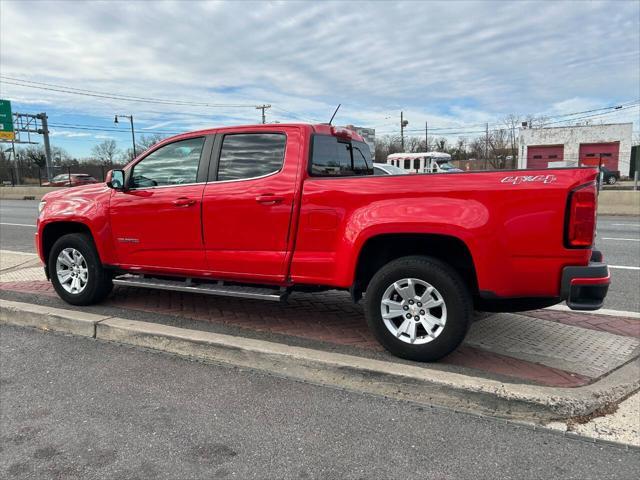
(251, 155)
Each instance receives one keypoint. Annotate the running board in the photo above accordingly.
(259, 293)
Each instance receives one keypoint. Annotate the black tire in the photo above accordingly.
(99, 283)
(611, 180)
(447, 282)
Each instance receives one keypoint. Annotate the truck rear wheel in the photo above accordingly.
(418, 308)
(76, 272)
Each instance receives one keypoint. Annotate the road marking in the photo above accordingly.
(626, 224)
(18, 225)
(624, 267)
(602, 311)
(621, 239)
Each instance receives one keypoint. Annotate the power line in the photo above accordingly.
(593, 116)
(455, 129)
(614, 110)
(113, 96)
(97, 128)
(295, 115)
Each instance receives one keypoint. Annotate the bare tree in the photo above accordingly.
(459, 151)
(414, 144)
(535, 121)
(441, 144)
(34, 154)
(512, 122)
(386, 145)
(61, 157)
(145, 142)
(105, 152)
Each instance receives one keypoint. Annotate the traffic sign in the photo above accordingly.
(6, 121)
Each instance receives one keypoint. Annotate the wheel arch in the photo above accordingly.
(381, 249)
(52, 231)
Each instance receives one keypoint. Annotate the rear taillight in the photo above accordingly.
(581, 218)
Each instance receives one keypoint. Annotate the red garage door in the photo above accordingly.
(539, 156)
(591, 153)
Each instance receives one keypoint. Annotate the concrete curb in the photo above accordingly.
(46, 318)
(415, 383)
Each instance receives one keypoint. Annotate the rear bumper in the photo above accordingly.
(585, 288)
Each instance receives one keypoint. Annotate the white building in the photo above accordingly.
(577, 146)
(369, 135)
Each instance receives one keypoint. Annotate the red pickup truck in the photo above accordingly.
(260, 211)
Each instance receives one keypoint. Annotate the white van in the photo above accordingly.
(423, 162)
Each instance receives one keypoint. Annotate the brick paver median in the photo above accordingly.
(331, 317)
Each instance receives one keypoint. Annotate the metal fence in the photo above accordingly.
(12, 175)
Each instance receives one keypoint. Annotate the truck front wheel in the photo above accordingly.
(418, 308)
(76, 271)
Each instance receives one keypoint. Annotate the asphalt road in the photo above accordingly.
(77, 408)
(618, 238)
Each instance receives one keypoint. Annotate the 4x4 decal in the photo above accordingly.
(517, 179)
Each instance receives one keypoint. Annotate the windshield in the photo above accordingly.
(446, 166)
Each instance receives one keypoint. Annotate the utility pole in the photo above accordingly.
(513, 145)
(133, 137)
(426, 136)
(403, 123)
(486, 146)
(47, 146)
(263, 108)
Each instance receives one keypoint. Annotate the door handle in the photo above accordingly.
(184, 202)
(269, 199)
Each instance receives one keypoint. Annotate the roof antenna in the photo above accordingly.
(334, 113)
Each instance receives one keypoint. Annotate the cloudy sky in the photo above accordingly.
(197, 64)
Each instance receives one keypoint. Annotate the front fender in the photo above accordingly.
(77, 208)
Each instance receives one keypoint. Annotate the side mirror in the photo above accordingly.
(115, 179)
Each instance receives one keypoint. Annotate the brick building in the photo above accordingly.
(577, 146)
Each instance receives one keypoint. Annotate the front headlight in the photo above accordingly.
(41, 206)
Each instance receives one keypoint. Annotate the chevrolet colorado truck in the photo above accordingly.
(261, 211)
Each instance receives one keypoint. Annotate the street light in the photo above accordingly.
(133, 136)
(403, 123)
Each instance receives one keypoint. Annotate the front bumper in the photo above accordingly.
(585, 288)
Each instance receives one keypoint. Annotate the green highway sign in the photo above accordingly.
(6, 121)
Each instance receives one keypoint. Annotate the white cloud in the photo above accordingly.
(68, 134)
